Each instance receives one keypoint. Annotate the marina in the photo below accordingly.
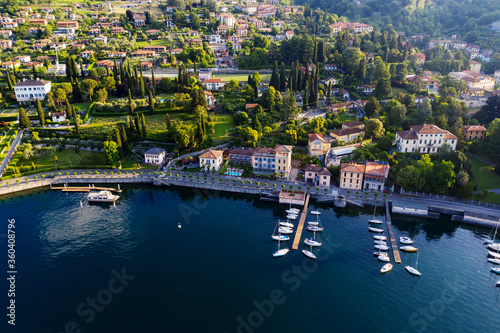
(392, 237)
(300, 227)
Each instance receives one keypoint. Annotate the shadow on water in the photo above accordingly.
(433, 229)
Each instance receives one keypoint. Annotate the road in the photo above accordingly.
(11, 151)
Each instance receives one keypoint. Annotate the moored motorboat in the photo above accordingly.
(280, 237)
(494, 261)
(315, 212)
(313, 223)
(377, 230)
(380, 237)
(386, 268)
(384, 258)
(381, 247)
(379, 242)
(408, 248)
(379, 253)
(412, 270)
(309, 254)
(406, 240)
(294, 211)
(292, 216)
(102, 196)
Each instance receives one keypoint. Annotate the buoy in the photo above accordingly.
(179, 226)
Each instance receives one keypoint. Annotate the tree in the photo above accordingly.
(424, 111)
(88, 86)
(143, 126)
(443, 177)
(123, 134)
(410, 178)
(290, 137)
(289, 110)
(41, 115)
(169, 123)
(491, 110)
(77, 122)
(282, 77)
(381, 78)
(396, 113)
(384, 143)
(101, 95)
(275, 77)
(109, 83)
(268, 98)
(372, 108)
(131, 103)
(151, 102)
(69, 113)
(374, 128)
(493, 140)
(28, 151)
(111, 150)
(24, 121)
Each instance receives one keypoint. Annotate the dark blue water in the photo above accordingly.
(130, 269)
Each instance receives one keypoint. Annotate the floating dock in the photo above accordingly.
(300, 227)
(392, 237)
(85, 189)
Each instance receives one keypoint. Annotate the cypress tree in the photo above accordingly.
(315, 52)
(68, 109)
(143, 122)
(151, 102)
(76, 119)
(131, 124)
(169, 123)
(75, 68)
(14, 71)
(9, 82)
(14, 77)
(82, 73)
(35, 76)
(115, 71)
(306, 97)
(122, 73)
(282, 77)
(275, 78)
(130, 103)
(290, 79)
(142, 90)
(118, 141)
(329, 93)
(123, 133)
(137, 125)
(39, 110)
(136, 83)
(24, 121)
(154, 82)
(195, 70)
(69, 74)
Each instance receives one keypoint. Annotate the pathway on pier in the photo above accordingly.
(85, 189)
(298, 234)
(392, 237)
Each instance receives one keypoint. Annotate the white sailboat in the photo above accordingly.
(315, 226)
(380, 237)
(413, 271)
(312, 241)
(384, 258)
(284, 230)
(382, 247)
(494, 261)
(406, 240)
(315, 212)
(292, 216)
(282, 238)
(309, 254)
(492, 240)
(386, 268)
(294, 211)
(286, 224)
(498, 283)
(377, 230)
(494, 246)
(373, 220)
(280, 252)
(379, 253)
(494, 254)
(379, 242)
(495, 270)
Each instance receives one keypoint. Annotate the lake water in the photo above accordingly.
(130, 269)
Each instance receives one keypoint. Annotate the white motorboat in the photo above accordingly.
(280, 253)
(494, 246)
(375, 222)
(495, 270)
(102, 196)
(406, 240)
(386, 268)
(315, 212)
(285, 230)
(494, 254)
(280, 237)
(311, 242)
(314, 228)
(377, 230)
(381, 247)
(379, 253)
(292, 216)
(384, 258)
(380, 237)
(408, 248)
(294, 211)
(413, 271)
(286, 224)
(379, 242)
(494, 261)
(309, 254)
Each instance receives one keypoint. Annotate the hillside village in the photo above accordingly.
(267, 89)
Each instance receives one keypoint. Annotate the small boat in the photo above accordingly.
(285, 230)
(380, 237)
(292, 216)
(280, 237)
(384, 258)
(293, 211)
(308, 254)
(179, 225)
(386, 268)
(315, 212)
(494, 254)
(314, 229)
(408, 248)
(494, 246)
(498, 283)
(494, 261)
(102, 196)
(286, 224)
(413, 271)
(379, 253)
(280, 253)
(377, 230)
(495, 270)
(406, 240)
(379, 242)
(313, 223)
(375, 222)
(311, 242)
(492, 240)
(382, 247)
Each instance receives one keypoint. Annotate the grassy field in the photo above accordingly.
(221, 124)
(156, 42)
(490, 197)
(485, 177)
(239, 77)
(64, 158)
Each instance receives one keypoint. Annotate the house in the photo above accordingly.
(419, 58)
(475, 66)
(117, 30)
(317, 175)
(213, 84)
(146, 64)
(23, 59)
(351, 175)
(264, 160)
(241, 156)
(289, 34)
(143, 54)
(102, 39)
(375, 175)
(211, 160)
(117, 54)
(158, 49)
(155, 156)
(497, 76)
(57, 116)
(317, 145)
(67, 24)
(335, 155)
(28, 90)
(419, 99)
(424, 138)
(222, 29)
(87, 54)
(330, 67)
(209, 97)
(283, 164)
(106, 63)
(365, 89)
(474, 132)
(5, 44)
(10, 64)
(214, 39)
(38, 21)
(423, 82)
(353, 124)
(348, 134)
(193, 33)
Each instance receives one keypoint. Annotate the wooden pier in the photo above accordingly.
(392, 237)
(85, 189)
(300, 227)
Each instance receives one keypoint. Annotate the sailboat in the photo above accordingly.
(386, 268)
(315, 226)
(379, 242)
(377, 230)
(498, 283)
(309, 254)
(492, 240)
(495, 270)
(279, 236)
(406, 240)
(380, 237)
(494, 254)
(384, 258)
(286, 224)
(373, 220)
(312, 241)
(413, 271)
(280, 252)
(381, 247)
(494, 260)
(284, 230)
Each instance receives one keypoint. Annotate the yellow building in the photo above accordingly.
(318, 146)
(474, 132)
(351, 176)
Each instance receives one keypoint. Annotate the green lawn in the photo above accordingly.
(156, 42)
(240, 77)
(64, 158)
(221, 124)
(346, 117)
(490, 197)
(485, 177)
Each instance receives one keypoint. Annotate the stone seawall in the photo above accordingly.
(414, 212)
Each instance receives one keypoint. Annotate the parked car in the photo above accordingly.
(386, 191)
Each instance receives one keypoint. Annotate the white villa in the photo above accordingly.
(424, 139)
(155, 156)
(28, 90)
(211, 160)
